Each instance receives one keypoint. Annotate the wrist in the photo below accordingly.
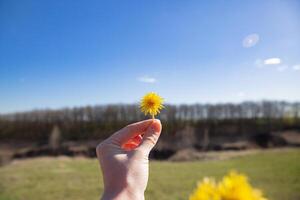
(124, 194)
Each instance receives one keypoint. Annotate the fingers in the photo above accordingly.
(132, 143)
(150, 137)
(130, 131)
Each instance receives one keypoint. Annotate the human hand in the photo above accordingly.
(125, 172)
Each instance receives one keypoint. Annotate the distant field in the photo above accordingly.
(276, 173)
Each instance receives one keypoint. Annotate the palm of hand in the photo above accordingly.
(126, 171)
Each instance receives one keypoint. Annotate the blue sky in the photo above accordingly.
(71, 53)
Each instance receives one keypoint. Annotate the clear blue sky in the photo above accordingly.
(69, 53)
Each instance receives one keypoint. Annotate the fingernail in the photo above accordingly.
(155, 127)
(157, 120)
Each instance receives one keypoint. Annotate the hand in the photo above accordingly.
(125, 172)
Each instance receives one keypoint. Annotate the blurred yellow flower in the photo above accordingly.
(151, 104)
(234, 186)
(206, 190)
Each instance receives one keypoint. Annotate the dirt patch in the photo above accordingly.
(194, 155)
(292, 137)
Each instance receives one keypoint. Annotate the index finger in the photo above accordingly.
(130, 131)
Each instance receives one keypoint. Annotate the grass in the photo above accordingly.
(276, 173)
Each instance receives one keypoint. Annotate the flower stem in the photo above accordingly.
(153, 117)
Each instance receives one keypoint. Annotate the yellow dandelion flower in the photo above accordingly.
(206, 190)
(234, 186)
(151, 104)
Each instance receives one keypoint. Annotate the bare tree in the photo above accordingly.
(55, 139)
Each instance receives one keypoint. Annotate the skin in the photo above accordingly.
(124, 160)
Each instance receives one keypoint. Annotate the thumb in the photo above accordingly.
(151, 136)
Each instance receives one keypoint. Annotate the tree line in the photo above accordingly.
(98, 122)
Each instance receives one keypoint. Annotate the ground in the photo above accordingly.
(277, 173)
